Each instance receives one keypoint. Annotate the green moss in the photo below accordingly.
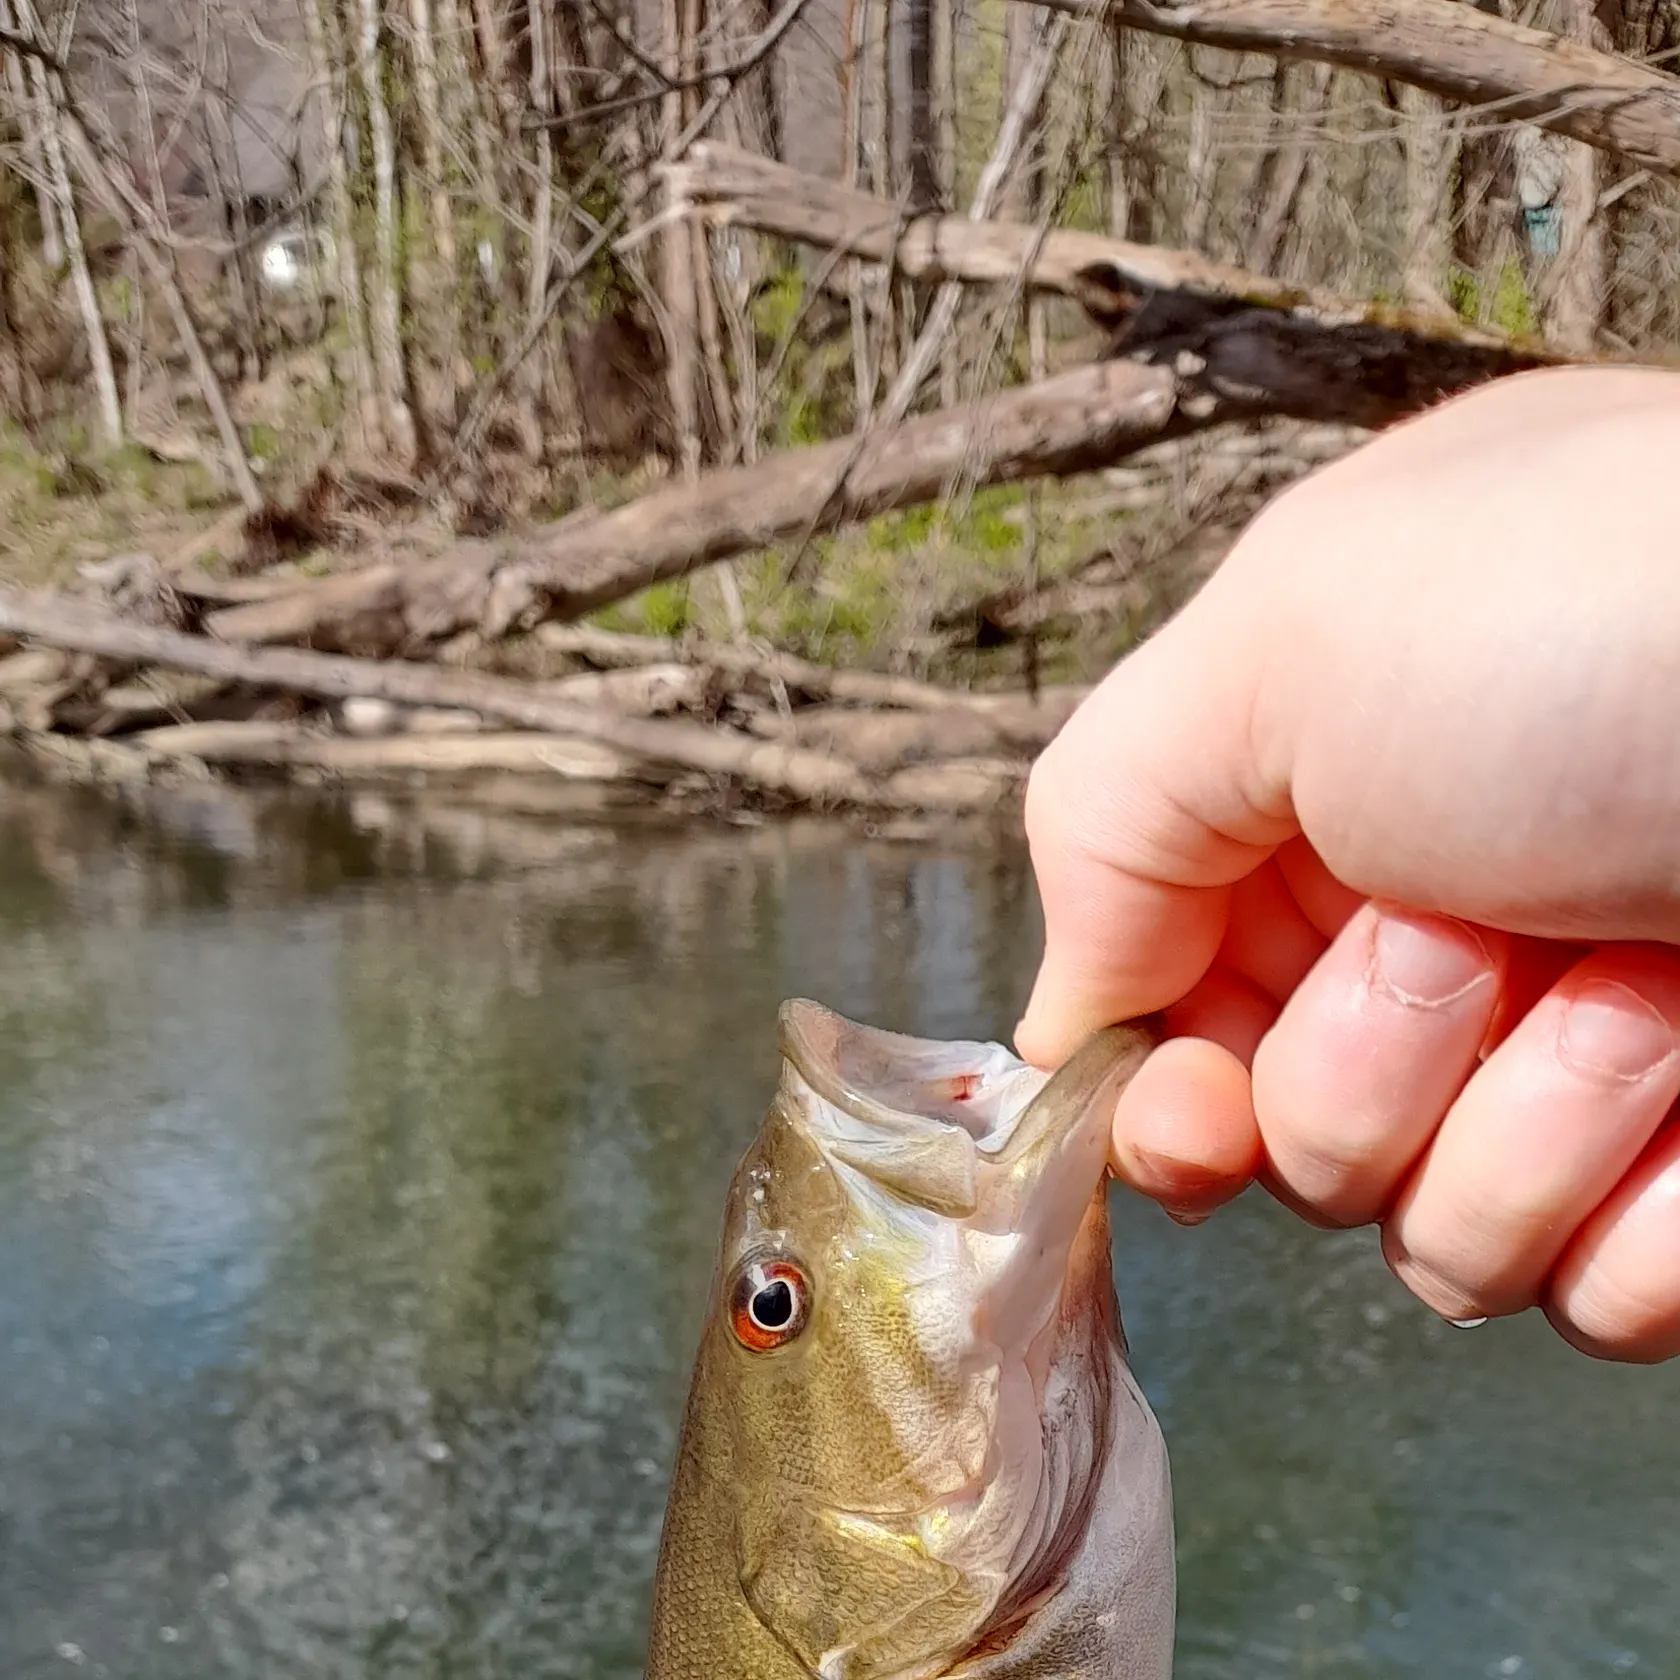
(1513, 305)
(779, 303)
(662, 610)
(263, 442)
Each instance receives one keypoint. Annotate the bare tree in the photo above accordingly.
(46, 99)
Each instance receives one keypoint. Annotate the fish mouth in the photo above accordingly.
(951, 1125)
(897, 1082)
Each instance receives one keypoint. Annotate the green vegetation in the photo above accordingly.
(1511, 307)
(71, 503)
(871, 591)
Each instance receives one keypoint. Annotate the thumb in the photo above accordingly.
(1141, 814)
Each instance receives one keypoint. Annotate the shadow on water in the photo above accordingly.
(360, 1169)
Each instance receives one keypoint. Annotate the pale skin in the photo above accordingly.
(1388, 822)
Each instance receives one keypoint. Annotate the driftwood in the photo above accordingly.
(819, 682)
(650, 690)
(791, 772)
(1457, 51)
(294, 746)
(880, 743)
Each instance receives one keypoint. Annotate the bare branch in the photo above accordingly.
(1457, 51)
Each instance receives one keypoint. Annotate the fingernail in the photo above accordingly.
(1609, 1030)
(1435, 1292)
(1427, 962)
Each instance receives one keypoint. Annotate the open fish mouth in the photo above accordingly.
(965, 1130)
(896, 1083)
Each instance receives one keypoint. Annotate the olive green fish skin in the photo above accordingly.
(949, 1471)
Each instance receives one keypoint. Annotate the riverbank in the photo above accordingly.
(900, 666)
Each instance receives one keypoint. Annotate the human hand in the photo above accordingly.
(1388, 822)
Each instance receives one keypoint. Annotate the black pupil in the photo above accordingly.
(772, 1306)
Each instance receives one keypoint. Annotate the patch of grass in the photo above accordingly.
(66, 503)
(1511, 307)
(263, 442)
(866, 593)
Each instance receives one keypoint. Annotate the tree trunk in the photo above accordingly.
(1112, 279)
(327, 64)
(925, 185)
(804, 775)
(1136, 78)
(1200, 164)
(1578, 282)
(1289, 161)
(865, 372)
(1075, 422)
(156, 256)
(1026, 99)
(682, 323)
(437, 272)
(945, 126)
(384, 282)
(1430, 153)
(15, 79)
(43, 85)
(540, 262)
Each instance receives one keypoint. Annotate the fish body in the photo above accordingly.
(913, 1446)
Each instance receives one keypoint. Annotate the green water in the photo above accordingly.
(359, 1174)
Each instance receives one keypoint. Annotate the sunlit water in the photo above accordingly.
(359, 1176)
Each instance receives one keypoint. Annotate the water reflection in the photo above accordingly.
(359, 1176)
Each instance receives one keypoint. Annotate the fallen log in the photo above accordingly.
(291, 745)
(1111, 279)
(653, 690)
(881, 743)
(1459, 52)
(1088, 418)
(1223, 360)
(818, 682)
(791, 772)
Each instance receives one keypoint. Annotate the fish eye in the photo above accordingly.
(769, 1304)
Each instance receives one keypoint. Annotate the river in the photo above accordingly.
(360, 1170)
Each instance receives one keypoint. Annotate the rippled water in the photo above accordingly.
(359, 1176)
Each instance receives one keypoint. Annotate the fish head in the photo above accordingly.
(909, 1284)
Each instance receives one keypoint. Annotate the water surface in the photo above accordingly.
(360, 1170)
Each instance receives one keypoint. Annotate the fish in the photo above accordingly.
(913, 1444)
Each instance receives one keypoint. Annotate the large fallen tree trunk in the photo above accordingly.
(1111, 279)
(812, 778)
(1201, 361)
(1457, 51)
(1080, 420)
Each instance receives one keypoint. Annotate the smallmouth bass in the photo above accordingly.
(913, 1446)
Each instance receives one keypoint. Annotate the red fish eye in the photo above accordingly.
(769, 1304)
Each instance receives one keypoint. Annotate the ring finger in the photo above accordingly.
(1540, 1136)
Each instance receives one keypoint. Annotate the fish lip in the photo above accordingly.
(1105, 1057)
(801, 1025)
(818, 1044)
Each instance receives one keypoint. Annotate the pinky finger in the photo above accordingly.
(1616, 1291)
